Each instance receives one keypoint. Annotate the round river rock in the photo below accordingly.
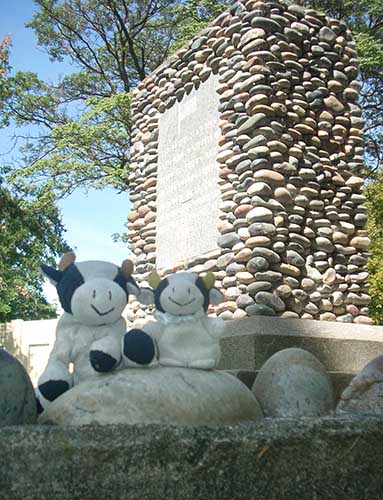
(364, 395)
(17, 397)
(161, 395)
(294, 383)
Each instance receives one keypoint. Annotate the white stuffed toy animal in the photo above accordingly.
(184, 334)
(90, 333)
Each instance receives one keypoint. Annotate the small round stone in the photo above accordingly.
(364, 395)
(270, 300)
(17, 397)
(294, 383)
(260, 310)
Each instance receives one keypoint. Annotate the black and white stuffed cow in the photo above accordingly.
(184, 335)
(90, 332)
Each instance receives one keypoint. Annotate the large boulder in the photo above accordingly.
(181, 396)
(364, 395)
(17, 397)
(294, 383)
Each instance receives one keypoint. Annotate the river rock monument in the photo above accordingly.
(247, 150)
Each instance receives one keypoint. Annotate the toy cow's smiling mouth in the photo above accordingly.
(180, 304)
(101, 313)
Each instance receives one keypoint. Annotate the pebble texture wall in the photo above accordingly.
(292, 240)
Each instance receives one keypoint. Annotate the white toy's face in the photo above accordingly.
(181, 296)
(98, 301)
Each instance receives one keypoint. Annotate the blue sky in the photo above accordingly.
(90, 219)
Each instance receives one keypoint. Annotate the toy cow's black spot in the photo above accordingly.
(102, 362)
(70, 280)
(205, 292)
(121, 280)
(53, 389)
(139, 347)
(157, 294)
(39, 408)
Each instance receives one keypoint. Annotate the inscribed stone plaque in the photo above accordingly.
(188, 194)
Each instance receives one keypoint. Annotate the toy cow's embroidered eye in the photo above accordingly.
(94, 294)
(110, 295)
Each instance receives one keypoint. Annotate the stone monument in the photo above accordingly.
(247, 150)
(187, 151)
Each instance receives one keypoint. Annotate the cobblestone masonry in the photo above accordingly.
(292, 240)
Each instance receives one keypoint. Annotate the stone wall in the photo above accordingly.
(289, 157)
(30, 342)
(312, 458)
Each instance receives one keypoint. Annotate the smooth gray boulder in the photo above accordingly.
(162, 395)
(294, 383)
(364, 395)
(17, 397)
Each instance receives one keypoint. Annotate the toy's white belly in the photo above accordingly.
(186, 343)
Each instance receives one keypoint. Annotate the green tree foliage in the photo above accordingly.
(374, 193)
(83, 122)
(30, 234)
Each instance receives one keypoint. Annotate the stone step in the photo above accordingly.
(341, 347)
(339, 380)
(328, 458)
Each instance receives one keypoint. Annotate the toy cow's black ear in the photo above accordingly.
(132, 287)
(52, 274)
(215, 296)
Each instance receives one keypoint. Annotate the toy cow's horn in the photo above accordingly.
(127, 268)
(66, 260)
(154, 279)
(209, 280)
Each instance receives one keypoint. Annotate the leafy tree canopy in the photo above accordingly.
(83, 123)
(30, 234)
(374, 193)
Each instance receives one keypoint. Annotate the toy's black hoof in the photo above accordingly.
(102, 362)
(139, 347)
(53, 389)
(39, 408)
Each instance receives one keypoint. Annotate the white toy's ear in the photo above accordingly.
(215, 296)
(146, 296)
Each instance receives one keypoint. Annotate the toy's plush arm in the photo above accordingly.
(214, 326)
(155, 329)
(139, 346)
(105, 354)
(56, 378)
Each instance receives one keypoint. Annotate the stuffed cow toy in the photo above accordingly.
(91, 331)
(184, 335)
